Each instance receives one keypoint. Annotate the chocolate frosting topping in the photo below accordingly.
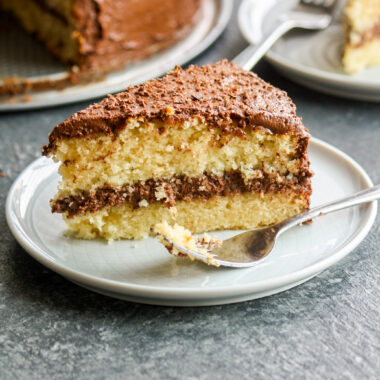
(113, 32)
(224, 95)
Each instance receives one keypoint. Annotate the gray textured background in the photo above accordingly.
(327, 328)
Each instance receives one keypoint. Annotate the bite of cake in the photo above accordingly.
(177, 235)
(210, 148)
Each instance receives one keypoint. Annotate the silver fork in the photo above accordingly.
(307, 14)
(249, 248)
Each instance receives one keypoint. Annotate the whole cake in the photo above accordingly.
(211, 147)
(97, 36)
(362, 30)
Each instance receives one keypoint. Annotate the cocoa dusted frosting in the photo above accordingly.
(223, 94)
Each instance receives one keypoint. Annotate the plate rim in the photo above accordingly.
(223, 15)
(302, 70)
(161, 292)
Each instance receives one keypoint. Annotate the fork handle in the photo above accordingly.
(248, 58)
(368, 195)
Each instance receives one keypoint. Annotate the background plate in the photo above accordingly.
(143, 271)
(312, 59)
(36, 63)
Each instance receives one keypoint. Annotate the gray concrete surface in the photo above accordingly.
(327, 328)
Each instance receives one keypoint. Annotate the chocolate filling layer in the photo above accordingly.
(169, 191)
(367, 36)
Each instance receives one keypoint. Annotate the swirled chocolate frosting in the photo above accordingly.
(223, 95)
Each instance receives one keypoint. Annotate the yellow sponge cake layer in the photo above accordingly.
(356, 58)
(241, 211)
(362, 15)
(146, 151)
(56, 31)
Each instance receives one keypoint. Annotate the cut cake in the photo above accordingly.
(99, 36)
(210, 148)
(362, 35)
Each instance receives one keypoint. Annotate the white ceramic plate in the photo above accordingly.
(143, 271)
(312, 59)
(215, 15)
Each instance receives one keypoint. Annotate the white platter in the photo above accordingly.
(312, 59)
(215, 15)
(144, 272)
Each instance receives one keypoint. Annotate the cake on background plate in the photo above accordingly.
(98, 36)
(210, 148)
(362, 34)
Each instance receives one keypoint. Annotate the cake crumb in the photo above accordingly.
(183, 237)
(160, 193)
(143, 203)
(169, 110)
(173, 212)
(184, 145)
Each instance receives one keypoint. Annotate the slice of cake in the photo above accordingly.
(170, 235)
(362, 30)
(98, 36)
(211, 147)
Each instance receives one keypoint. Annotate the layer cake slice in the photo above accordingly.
(211, 147)
(362, 30)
